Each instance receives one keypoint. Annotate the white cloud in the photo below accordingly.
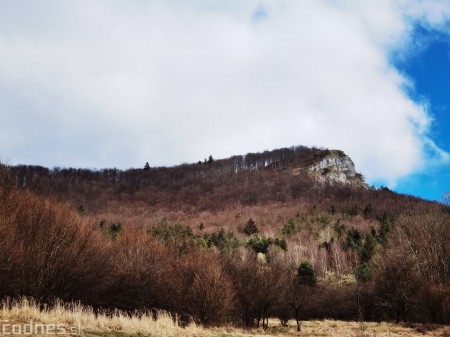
(117, 84)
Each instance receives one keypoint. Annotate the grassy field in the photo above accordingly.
(25, 318)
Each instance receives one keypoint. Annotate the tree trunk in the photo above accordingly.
(297, 320)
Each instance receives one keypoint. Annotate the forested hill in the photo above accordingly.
(291, 228)
(38, 177)
(271, 176)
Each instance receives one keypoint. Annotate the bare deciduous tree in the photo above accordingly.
(396, 280)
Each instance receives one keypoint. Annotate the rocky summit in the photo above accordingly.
(336, 167)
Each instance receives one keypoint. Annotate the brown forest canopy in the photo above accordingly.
(27, 176)
(255, 178)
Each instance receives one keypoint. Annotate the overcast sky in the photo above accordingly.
(119, 83)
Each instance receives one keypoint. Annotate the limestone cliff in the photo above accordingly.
(336, 167)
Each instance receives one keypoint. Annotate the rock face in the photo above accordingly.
(336, 167)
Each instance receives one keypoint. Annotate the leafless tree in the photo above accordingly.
(426, 236)
(258, 288)
(298, 295)
(446, 199)
(396, 280)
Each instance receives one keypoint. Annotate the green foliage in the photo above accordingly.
(178, 234)
(260, 244)
(323, 220)
(222, 240)
(364, 272)
(353, 240)
(290, 227)
(166, 232)
(352, 211)
(367, 250)
(114, 230)
(386, 223)
(339, 228)
(282, 243)
(295, 225)
(306, 274)
(250, 227)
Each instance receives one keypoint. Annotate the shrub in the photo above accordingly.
(364, 272)
(222, 240)
(353, 240)
(367, 249)
(167, 232)
(260, 244)
(291, 227)
(306, 274)
(114, 230)
(55, 253)
(250, 228)
(202, 289)
(339, 228)
(386, 223)
(282, 243)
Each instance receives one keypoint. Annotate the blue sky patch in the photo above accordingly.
(428, 66)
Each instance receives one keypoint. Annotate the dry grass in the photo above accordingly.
(83, 319)
(368, 329)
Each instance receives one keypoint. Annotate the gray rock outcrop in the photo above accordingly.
(336, 167)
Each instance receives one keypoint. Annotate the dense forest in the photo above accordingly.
(211, 184)
(236, 240)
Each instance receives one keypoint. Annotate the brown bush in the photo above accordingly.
(258, 288)
(427, 236)
(139, 264)
(52, 252)
(206, 291)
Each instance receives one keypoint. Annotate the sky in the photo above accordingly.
(109, 83)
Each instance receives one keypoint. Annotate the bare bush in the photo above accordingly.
(258, 288)
(427, 237)
(53, 252)
(139, 265)
(206, 292)
(396, 281)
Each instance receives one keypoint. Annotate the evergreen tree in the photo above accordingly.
(250, 228)
(305, 274)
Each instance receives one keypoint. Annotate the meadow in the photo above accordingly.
(82, 320)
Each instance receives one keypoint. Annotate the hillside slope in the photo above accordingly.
(277, 175)
(226, 240)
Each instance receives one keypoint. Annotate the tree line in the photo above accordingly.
(277, 176)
